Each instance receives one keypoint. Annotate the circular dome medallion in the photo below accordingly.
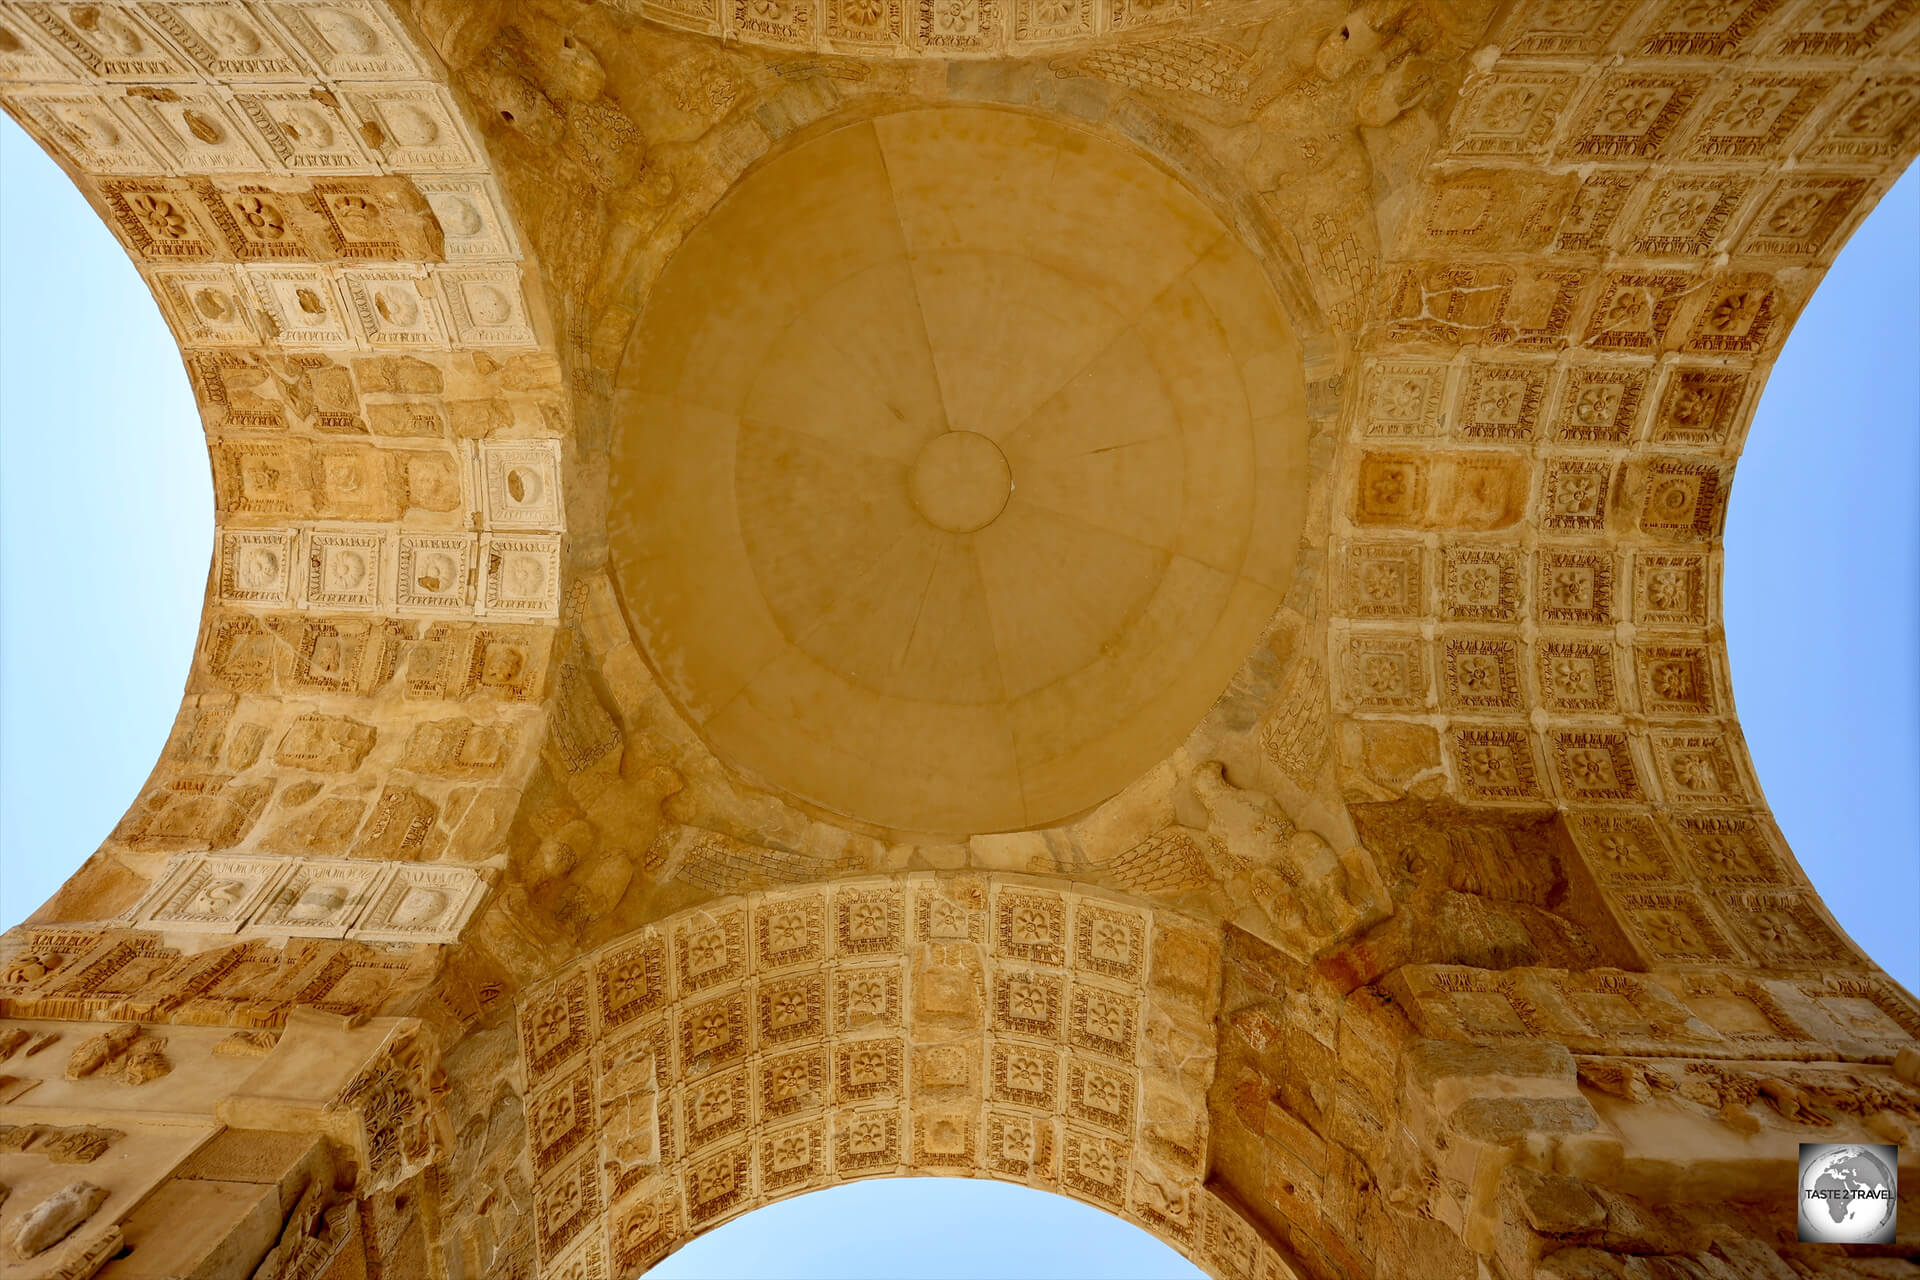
(959, 464)
(961, 481)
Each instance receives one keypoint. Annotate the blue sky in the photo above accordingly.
(1822, 591)
(100, 579)
(927, 1229)
(101, 583)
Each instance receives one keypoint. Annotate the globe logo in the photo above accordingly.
(1847, 1193)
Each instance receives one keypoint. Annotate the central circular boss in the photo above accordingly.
(961, 481)
(959, 464)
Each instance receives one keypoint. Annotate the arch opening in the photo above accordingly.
(1848, 360)
(106, 510)
(925, 1229)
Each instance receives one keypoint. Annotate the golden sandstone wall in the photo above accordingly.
(1115, 594)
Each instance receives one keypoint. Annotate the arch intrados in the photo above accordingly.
(1012, 1027)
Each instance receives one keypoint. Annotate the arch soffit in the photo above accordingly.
(763, 1046)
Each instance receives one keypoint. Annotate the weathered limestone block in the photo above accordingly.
(458, 748)
(1473, 491)
(54, 1219)
(1311, 898)
(399, 828)
(325, 744)
(207, 811)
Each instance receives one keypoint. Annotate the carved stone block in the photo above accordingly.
(1501, 401)
(1582, 30)
(348, 39)
(1675, 679)
(1102, 1020)
(867, 998)
(1589, 222)
(1671, 588)
(1481, 583)
(393, 309)
(226, 40)
(344, 570)
(325, 744)
(199, 130)
(1633, 114)
(1781, 928)
(1496, 763)
(1876, 123)
(412, 127)
(1675, 925)
(1729, 848)
(1740, 314)
(1600, 404)
(1405, 399)
(1029, 1003)
(1635, 310)
(1699, 768)
(256, 566)
(1622, 847)
(1482, 673)
(212, 894)
(306, 308)
(303, 133)
(789, 930)
(1687, 215)
(435, 571)
(117, 44)
(1573, 495)
(1386, 579)
(1576, 675)
(1596, 765)
(1510, 113)
(520, 575)
(1700, 406)
(779, 22)
(31, 55)
(421, 904)
(160, 219)
(1756, 115)
(1800, 216)
(1030, 927)
(1385, 672)
(205, 306)
(318, 899)
(471, 217)
(1682, 499)
(1705, 31)
(1041, 22)
(520, 484)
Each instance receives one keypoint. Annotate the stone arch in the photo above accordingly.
(370, 351)
(1538, 445)
(755, 1048)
